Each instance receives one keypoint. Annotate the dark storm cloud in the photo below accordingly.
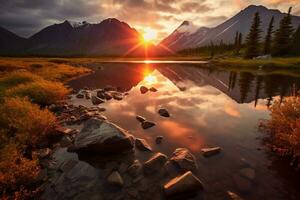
(26, 17)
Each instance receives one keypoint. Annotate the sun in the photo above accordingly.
(149, 35)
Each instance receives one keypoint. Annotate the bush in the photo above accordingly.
(18, 175)
(25, 121)
(284, 125)
(41, 92)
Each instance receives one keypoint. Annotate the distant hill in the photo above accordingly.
(10, 42)
(109, 37)
(226, 31)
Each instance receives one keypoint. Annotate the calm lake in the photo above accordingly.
(208, 108)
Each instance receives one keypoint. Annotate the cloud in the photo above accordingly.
(26, 17)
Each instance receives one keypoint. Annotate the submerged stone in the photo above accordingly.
(97, 100)
(140, 118)
(163, 112)
(143, 89)
(159, 139)
(153, 89)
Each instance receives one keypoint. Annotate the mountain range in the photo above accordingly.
(186, 36)
(113, 37)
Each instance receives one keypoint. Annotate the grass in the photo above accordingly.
(26, 86)
(283, 127)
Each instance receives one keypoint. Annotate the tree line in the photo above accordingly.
(284, 41)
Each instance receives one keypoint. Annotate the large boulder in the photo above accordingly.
(183, 186)
(102, 137)
(184, 159)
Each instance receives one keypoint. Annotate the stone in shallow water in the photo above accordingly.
(155, 163)
(102, 137)
(184, 159)
(142, 145)
(153, 89)
(163, 112)
(248, 173)
(159, 139)
(135, 169)
(115, 179)
(80, 96)
(143, 89)
(140, 118)
(147, 124)
(210, 151)
(234, 196)
(186, 184)
(97, 100)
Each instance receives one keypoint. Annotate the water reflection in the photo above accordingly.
(208, 108)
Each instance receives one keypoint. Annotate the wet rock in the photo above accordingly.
(248, 173)
(140, 118)
(234, 196)
(101, 94)
(153, 89)
(110, 88)
(155, 163)
(97, 100)
(102, 137)
(65, 141)
(108, 96)
(67, 165)
(184, 185)
(135, 169)
(159, 139)
(80, 96)
(100, 109)
(115, 179)
(184, 159)
(207, 152)
(163, 112)
(143, 89)
(142, 145)
(147, 124)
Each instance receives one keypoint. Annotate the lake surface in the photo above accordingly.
(208, 108)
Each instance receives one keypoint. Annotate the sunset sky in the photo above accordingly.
(26, 17)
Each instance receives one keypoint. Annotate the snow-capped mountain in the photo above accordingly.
(226, 31)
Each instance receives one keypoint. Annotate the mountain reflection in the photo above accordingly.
(243, 87)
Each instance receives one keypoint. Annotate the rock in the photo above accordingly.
(102, 137)
(67, 165)
(264, 57)
(155, 163)
(140, 118)
(64, 130)
(88, 95)
(110, 88)
(163, 112)
(65, 141)
(80, 96)
(184, 185)
(42, 175)
(117, 96)
(108, 96)
(97, 100)
(153, 89)
(135, 169)
(210, 151)
(100, 109)
(147, 124)
(248, 173)
(159, 139)
(101, 94)
(233, 196)
(115, 179)
(143, 89)
(43, 153)
(184, 159)
(142, 145)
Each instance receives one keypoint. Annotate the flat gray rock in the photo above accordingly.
(102, 137)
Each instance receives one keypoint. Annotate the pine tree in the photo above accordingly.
(236, 39)
(253, 38)
(240, 42)
(283, 36)
(268, 39)
(296, 42)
